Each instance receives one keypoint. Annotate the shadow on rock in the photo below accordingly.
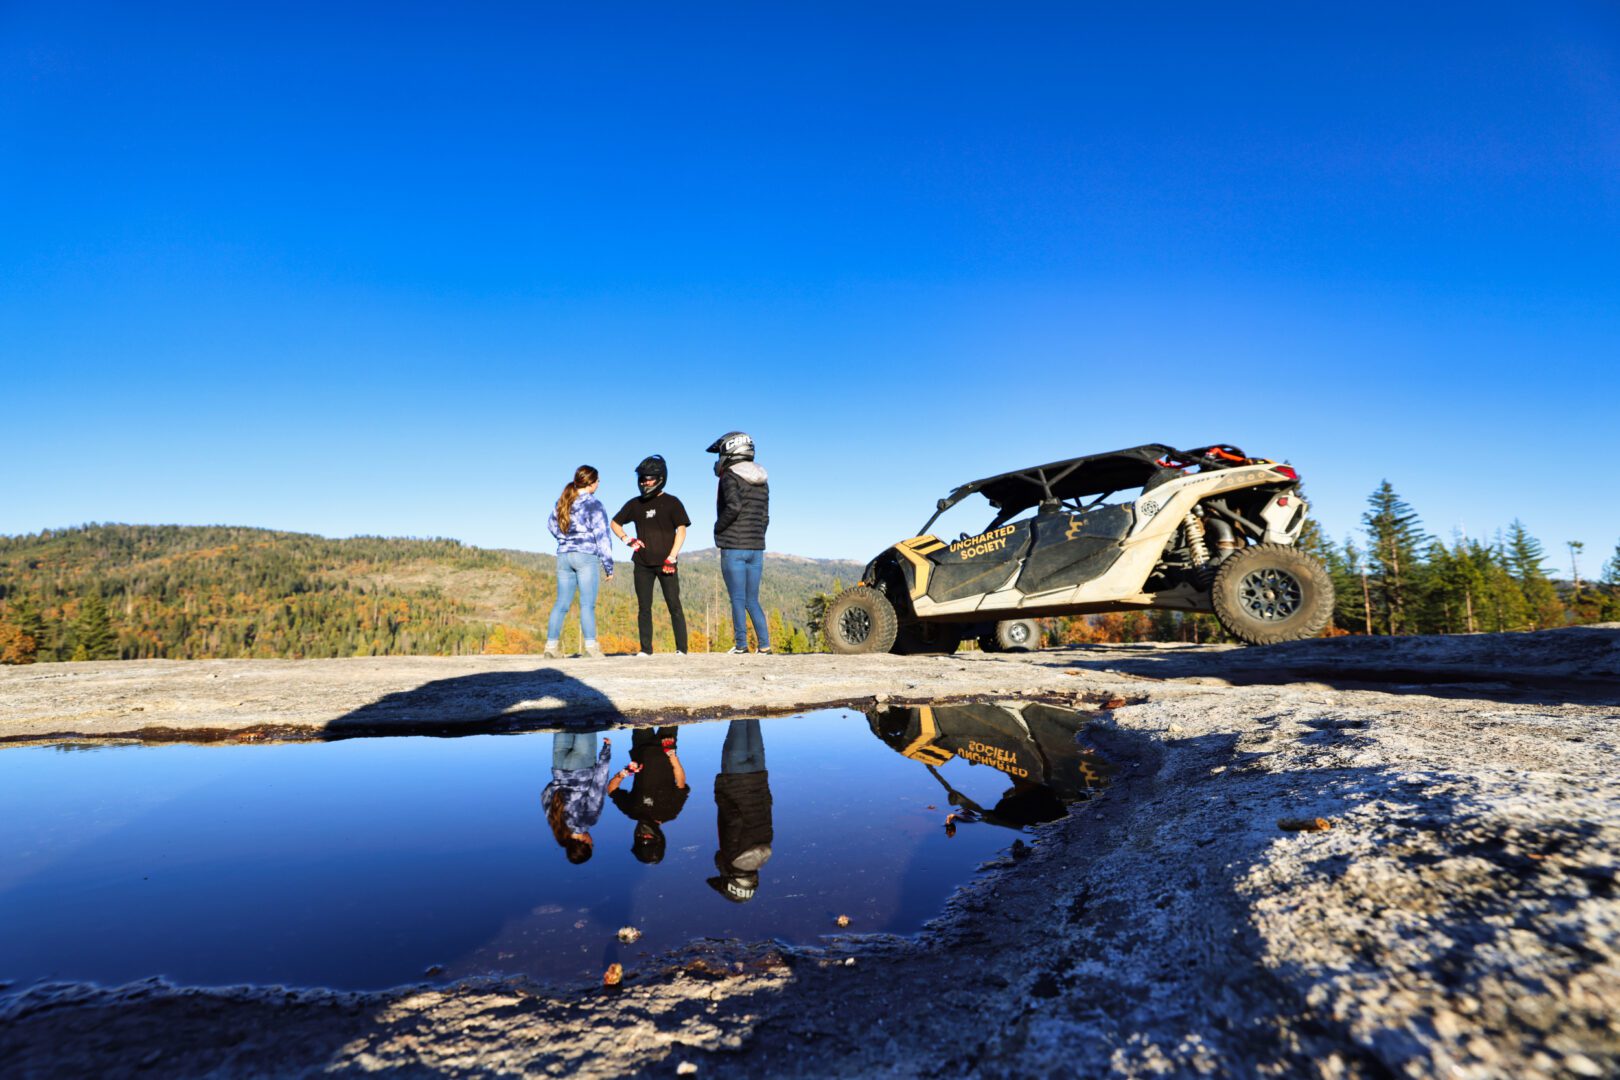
(540, 699)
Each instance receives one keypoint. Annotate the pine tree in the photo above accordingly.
(1524, 557)
(1611, 569)
(1394, 537)
(92, 631)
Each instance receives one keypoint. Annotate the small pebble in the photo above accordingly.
(686, 1068)
(850, 962)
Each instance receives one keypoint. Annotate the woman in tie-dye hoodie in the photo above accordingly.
(581, 527)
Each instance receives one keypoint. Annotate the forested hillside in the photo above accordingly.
(182, 592)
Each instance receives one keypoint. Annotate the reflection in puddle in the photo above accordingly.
(374, 862)
(1039, 748)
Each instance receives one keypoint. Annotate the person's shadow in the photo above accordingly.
(486, 702)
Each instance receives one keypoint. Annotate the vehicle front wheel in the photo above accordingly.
(1270, 593)
(860, 620)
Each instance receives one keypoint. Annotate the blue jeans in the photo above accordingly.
(742, 570)
(575, 570)
(573, 751)
(744, 749)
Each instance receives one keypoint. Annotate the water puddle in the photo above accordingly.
(369, 863)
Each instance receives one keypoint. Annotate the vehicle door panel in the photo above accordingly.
(977, 564)
(1071, 549)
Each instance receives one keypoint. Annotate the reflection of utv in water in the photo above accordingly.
(1209, 530)
(1034, 746)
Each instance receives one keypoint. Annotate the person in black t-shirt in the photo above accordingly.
(661, 523)
(657, 793)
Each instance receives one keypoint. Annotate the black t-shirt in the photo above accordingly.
(656, 520)
(652, 795)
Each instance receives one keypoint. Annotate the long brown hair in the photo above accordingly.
(584, 477)
(578, 850)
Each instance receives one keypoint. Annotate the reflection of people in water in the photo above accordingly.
(573, 799)
(742, 799)
(657, 793)
(1037, 747)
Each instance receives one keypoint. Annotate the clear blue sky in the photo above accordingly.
(398, 269)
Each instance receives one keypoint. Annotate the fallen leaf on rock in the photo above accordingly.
(1114, 703)
(629, 935)
(1304, 824)
(614, 975)
(843, 920)
(686, 1068)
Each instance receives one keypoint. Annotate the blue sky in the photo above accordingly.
(392, 269)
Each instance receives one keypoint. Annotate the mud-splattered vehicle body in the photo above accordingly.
(1205, 530)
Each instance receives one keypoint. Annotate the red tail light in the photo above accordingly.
(1286, 470)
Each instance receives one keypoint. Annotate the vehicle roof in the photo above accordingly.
(1095, 474)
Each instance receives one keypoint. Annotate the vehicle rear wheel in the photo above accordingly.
(1017, 635)
(923, 639)
(1270, 593)
(860, 620)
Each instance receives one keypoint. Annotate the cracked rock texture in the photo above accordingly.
(1456, 916)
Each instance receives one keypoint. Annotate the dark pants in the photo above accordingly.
(645, 576)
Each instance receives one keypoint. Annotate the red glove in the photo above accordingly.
(635, 543)
(669, 567)
(669, 746)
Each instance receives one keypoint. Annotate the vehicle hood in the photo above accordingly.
(750, 472)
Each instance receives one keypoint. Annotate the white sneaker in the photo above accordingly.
(553, 650)
(739, 651)
(643, 654)
(592, 649)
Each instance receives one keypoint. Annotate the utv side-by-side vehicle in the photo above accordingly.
(1205, 530)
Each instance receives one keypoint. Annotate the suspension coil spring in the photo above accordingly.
(1193, 528)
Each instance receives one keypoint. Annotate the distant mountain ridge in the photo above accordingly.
(193, 592)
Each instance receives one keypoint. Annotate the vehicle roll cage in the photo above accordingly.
(1067, 482)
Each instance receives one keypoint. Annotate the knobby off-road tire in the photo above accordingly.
(860, 620)
(1270, 593)
(927, 639)
(1017, 635)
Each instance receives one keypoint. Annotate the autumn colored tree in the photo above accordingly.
(16, 647)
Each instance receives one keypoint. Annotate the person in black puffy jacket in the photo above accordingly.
(742, 511)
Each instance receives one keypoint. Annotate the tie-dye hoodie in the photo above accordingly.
(583, 792)
(587, 531)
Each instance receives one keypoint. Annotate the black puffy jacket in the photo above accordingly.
(743, 508)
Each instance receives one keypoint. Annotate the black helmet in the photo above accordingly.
(733, 446)
(647, 842)
(654, 467)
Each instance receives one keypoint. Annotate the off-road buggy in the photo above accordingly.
(1205, 530)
